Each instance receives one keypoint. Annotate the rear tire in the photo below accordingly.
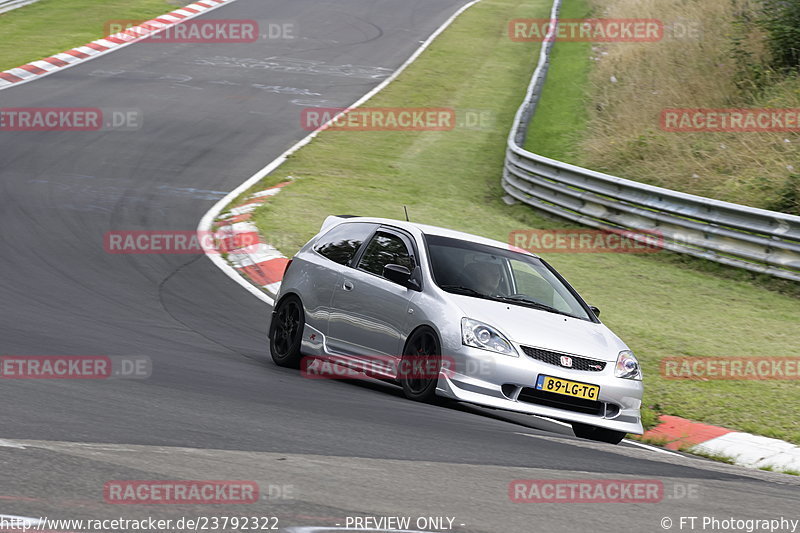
(287, 332)
(585, 431)
(422, 346)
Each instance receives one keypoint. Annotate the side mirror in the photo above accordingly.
(403, 276)
(595, 310)
(400, 275)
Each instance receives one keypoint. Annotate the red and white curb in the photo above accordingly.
(743, 449)
(69, 58)
(255, 260)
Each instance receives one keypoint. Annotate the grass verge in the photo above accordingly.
(560, 121)
(452, 179)
(713, 54)
(48, 27)
(561, 126)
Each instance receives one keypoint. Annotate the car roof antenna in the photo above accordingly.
(406, 210)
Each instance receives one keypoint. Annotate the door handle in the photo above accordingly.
(347, 285)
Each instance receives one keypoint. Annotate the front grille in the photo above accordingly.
(554, 358)
(559, 401)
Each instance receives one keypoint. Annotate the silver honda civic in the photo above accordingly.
(455, 315)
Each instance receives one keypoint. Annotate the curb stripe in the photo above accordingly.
(98, 47)
(266, 273)
(135, 32)
(44, 65)
(86, 50)
(753, 451)
(56, 61)
(10, 77)
(21, 73)
(105, 42)
(744, 449)
(67, 58)
(682, 433)
(33, 70)
(76, 53)
(261, 263)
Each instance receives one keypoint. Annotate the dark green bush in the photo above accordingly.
(781, 20)
(788, 200)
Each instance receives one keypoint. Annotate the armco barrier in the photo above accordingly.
(746, 237)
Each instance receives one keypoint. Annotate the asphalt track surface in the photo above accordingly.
(215, 406)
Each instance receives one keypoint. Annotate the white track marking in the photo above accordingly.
(650, 447)
(627, 441)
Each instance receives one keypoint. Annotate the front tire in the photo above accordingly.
(422, 351)
(585, 431)
(287, 333)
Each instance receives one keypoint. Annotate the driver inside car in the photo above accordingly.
(484, 277)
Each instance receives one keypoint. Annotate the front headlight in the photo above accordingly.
(627, 366)
(483, 336)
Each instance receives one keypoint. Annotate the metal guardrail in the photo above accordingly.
(746, 237)
(8, 5)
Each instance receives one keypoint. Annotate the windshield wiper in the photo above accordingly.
(464, 290)
(521, 300)
(528, 302)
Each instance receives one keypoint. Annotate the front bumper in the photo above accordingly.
(503, 382)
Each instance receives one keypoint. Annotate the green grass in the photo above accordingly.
(560, 120)
(51, 26)
(660, 307)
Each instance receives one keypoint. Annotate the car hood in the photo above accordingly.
(542, 329)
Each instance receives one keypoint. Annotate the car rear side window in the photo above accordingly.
(385, 249)
(342, 242)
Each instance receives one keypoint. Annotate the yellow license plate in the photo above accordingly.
(568, 388)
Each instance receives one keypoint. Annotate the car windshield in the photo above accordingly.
(480, 271)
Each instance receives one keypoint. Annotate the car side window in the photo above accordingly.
(342, 242)
(384, 249)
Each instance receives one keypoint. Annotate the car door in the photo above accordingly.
(332, 255)
(369, 312)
